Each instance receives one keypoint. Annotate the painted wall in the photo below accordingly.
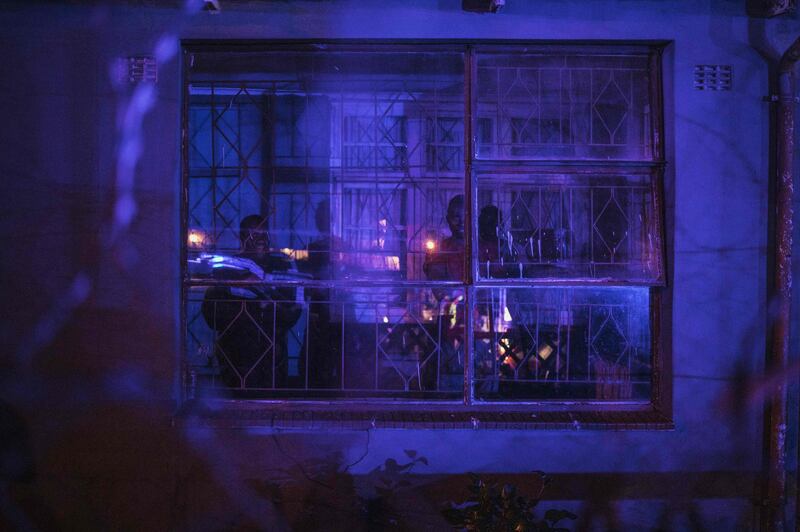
(91, 367)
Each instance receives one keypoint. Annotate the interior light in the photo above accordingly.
(545, 351)
(430, 245)
(196, 238)
(296, 254)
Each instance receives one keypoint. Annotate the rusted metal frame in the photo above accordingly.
(643, 409)
(470, 207)
(655, 166)
(184, 379)
(469, 155)
(604, 47)
(786, 110)
(660, 293)
(781, 294)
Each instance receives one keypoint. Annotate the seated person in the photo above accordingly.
(327, 310)
(495, 254)
(446, 263)
(252, 320)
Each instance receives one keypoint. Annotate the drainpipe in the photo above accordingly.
(782, 293)
(783, 262)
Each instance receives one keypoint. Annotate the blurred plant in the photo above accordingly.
(386, 481)
(492, 509)
(332, 497)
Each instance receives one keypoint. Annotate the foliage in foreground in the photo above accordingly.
(493, 509)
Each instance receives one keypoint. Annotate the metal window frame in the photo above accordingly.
(350, 414)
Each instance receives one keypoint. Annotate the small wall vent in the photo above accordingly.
(142, 69)
(713, 77)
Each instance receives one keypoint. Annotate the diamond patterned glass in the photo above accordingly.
(564, 106)
(321, 341)
(557, 225)
(561, 343)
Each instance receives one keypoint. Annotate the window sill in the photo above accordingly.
(222, 413)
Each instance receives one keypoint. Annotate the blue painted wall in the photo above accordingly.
(98, 399)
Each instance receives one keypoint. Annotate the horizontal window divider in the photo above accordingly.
(565, 283)
(326, 45)
(564, 165)
(328, 284)
(444, 405)
(601, 47)
(490, 283)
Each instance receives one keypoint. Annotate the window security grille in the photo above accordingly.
(358, 165)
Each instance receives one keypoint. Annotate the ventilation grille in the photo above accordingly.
(713, 77)
(142, 69)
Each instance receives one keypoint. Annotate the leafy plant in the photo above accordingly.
(387, 480)
(493, 509)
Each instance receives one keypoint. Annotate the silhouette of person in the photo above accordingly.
(323, 345)
(253, 319)
(446, 263)
(495, 255)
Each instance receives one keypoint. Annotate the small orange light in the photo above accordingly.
(545, 351)
(195, 238)
(430, 245)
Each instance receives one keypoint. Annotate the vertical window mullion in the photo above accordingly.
(470, 207)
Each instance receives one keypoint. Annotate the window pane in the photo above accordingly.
(567, 226)
(553, 105)
(323, 341)
(562, 343)
(325, 214)
(351, 160)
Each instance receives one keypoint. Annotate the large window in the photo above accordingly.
(475, 224)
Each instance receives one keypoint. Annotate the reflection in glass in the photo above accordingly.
(563, 106)
(317, 340)
(356, 153)
(562, 226)
(326, 212)
(561, 343)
